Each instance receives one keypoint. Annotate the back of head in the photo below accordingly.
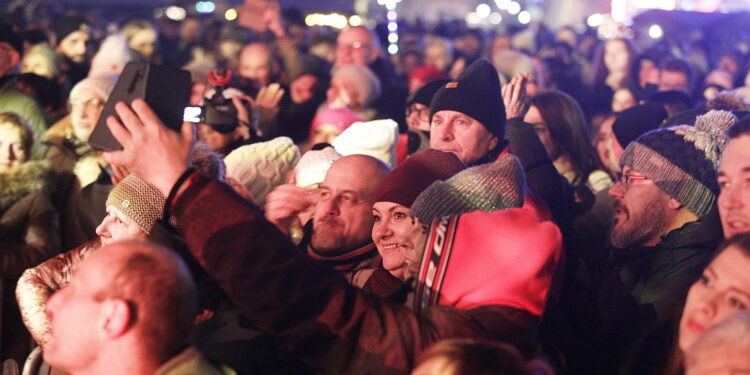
(376, 138)
(633, 122)
(465, 356)
(208, 162)
(158, 286)
(112, 56)
(101, 85)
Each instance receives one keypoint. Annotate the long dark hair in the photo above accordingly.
(599, 71)
(567, 128)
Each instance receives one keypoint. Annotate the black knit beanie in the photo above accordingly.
(476, 93)
(69, 24)
(633, 122)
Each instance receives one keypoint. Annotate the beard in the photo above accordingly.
(328, 238)
(640, 224)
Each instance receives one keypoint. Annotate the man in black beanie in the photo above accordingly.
(467, 115)
(418, 114)
(72, 35)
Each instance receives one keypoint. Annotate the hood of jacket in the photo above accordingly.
(33, 176)
(489, 258)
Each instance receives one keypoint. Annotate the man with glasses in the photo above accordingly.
(665, 230)
(418, 115)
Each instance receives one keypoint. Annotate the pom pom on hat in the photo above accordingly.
(404, 183)
(260, 167)
(138, 201)
(313, 166)
(376, 138)
(486, 187)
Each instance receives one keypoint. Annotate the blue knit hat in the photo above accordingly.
(683, 160)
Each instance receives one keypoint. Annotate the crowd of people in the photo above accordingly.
(474, 204)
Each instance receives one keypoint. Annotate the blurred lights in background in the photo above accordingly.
(335, 20)
(514, 8)
(483, 10)
(230, 14)
(495, 18)
(205, 7)
(655, 32)
(524, 17)
(175, 13)
(355, 20)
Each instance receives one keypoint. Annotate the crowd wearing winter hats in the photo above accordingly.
(376, 206)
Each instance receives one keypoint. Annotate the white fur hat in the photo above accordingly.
(260, 167)
(112, 56)
(376, 138)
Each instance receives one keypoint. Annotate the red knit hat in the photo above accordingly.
(404, 183)
(505, 257)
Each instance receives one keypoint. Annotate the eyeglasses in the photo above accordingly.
(80, 104)
(423, 113)
(627, 179)
(352, 46)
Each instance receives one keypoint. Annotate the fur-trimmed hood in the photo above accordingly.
(30, 177)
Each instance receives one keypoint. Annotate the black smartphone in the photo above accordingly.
(166, 90)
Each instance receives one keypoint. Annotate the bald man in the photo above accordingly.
(128, 309)
(257, 64)
(339, 232)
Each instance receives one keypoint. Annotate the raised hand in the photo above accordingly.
(285, 202)
(151, 151)
(514, 96)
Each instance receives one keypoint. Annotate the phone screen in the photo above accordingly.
(192, 114)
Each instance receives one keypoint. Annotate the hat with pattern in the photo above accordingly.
(486, 187)
(138, 201)
(683, 160)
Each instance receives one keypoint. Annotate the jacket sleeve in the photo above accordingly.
(541, 175)
(29, 235)
(37, 284)
(309, 307)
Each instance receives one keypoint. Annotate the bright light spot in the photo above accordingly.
(392, 38)
(392, 49)
(655, 32)
(391, 15)
(496, 18)
(502, 4)
(655, 4)
(355, 20)
(392, 26)
(483, 10)
(595, 20)
(524, 17)
(230, 14)
(175, 13)
(619, 10)
(205, 7)
(473, 19)
(331, 20)
(514, 7)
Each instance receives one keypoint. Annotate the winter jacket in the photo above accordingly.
(335, 327)
(37, 285)
(29, 229)
(191, 362)
(641, 301)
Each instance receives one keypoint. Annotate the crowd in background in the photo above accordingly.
(530, 201)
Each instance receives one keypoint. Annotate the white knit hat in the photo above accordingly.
(260, 167)
(364, 81)
(313, 166)
(376, 138)
(101, 85)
